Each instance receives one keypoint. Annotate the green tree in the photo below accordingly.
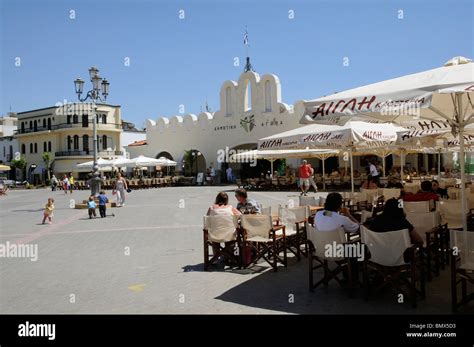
(20, 164)
(47, 163)
(188, 160)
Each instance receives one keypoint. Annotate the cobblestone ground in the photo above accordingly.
(148, 259)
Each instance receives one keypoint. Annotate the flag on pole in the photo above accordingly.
(246, 38)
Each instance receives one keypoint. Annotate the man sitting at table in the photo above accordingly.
(425, 194)
(245, 205)
(335, 216)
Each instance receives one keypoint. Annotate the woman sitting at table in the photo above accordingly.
(370, 183)
(221, 207)
(393, 219)
(335, 216)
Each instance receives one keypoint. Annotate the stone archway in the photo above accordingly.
(193, 162)
(168, 171)
(165, 154)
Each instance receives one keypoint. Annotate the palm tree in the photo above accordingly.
(188, 160)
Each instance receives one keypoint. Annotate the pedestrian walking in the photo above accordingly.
(103, 201)
(48, 211)
(120, 189)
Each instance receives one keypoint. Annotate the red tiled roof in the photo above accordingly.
(138, 143)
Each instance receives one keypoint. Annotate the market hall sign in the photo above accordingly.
(248, 123)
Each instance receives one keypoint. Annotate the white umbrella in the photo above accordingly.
(353, 136)
(359, 134)
(445, 93)
(144, 161)
(166, 162)
(119, 162)
(272, 155)
(100, 163)
(162, 161)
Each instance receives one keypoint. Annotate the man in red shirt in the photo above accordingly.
(425, 194)
(304, 175)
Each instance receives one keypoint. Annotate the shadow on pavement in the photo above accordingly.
(287, 291)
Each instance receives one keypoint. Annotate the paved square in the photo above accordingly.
(148, 259)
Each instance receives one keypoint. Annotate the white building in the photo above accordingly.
(8, 144)
(66, 132)
(250, 109)
(130, 135)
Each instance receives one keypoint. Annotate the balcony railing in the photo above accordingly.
(87, 153)
(68, 126)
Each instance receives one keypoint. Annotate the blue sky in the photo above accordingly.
(177, 61)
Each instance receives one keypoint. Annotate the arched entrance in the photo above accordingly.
(165, 154)
(193, 162)
(169, 170)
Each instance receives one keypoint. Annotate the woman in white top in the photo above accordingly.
(221, 207)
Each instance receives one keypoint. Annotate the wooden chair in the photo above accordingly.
(267, 210)
(389, 193)
(218, 230)
(451, 213)
(308, 201)
(372, 195)
(416, 206)
(295, 219)
(412, 188)
(332, 264)
(454, 193)
(387, 260)
(462, 267)
(427, 227)
(259, 236)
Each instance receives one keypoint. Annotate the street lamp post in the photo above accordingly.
(99, 92)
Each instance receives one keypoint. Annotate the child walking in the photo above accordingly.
(91, 205)
(48, 211)
(103, 200)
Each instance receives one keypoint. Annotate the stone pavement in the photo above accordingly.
(148, 259)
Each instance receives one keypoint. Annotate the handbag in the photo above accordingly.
(129, 190)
